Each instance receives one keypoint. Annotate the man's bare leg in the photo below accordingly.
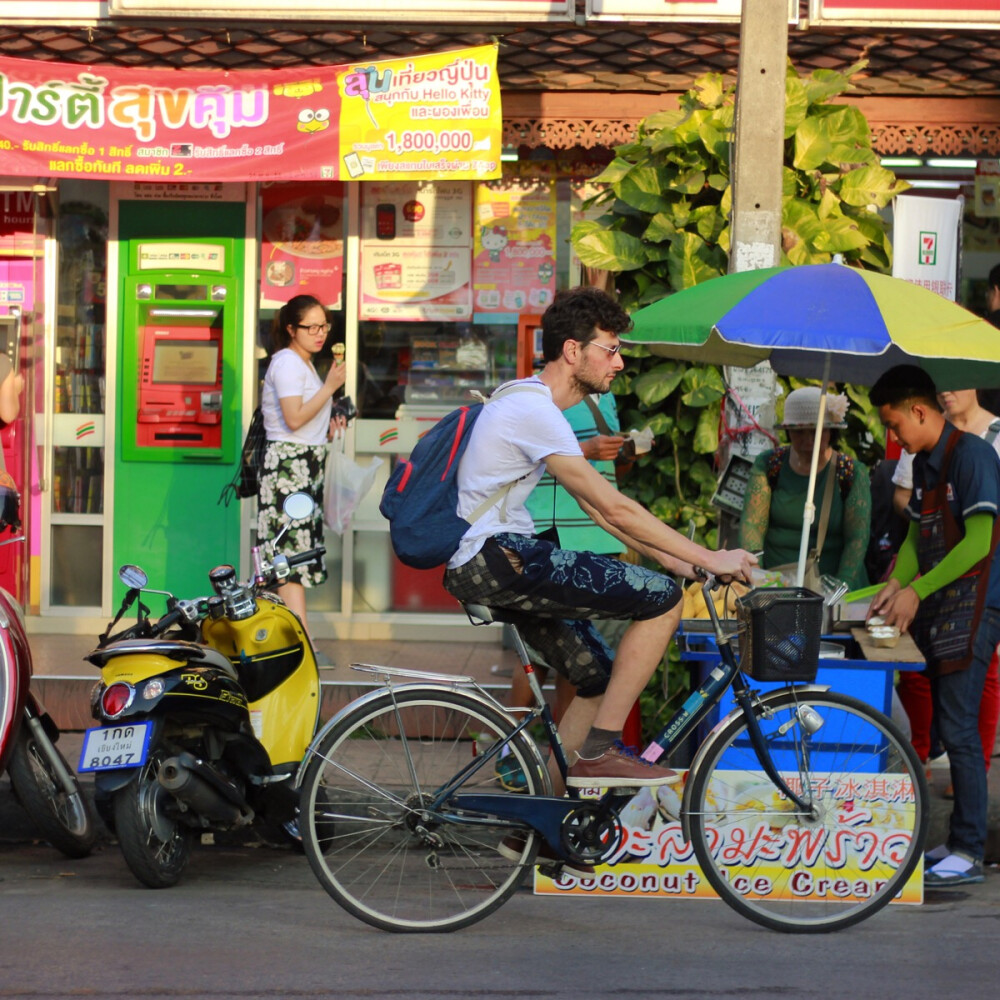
(639, 654)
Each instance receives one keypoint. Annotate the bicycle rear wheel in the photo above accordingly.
(372, 835)
(844, 859)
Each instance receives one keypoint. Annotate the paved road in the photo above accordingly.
(252, 922)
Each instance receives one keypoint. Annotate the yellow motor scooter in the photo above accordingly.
(205, 714)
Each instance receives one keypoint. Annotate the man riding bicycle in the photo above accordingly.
(501, 564)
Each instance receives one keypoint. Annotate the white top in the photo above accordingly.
(903, 474)
(288, 375)
(512, 437)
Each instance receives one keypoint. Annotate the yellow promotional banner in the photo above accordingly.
(434, 116)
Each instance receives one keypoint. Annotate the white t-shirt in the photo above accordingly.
(512, 437)
(903, 475)
(288, 375)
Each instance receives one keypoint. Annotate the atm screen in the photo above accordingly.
(186, 362)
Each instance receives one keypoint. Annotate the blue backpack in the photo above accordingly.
(420, 501)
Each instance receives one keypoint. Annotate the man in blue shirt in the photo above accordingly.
(945, 590)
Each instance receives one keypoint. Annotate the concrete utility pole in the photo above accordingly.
(758, 157)
(759, 135)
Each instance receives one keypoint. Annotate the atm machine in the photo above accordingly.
(179, 409)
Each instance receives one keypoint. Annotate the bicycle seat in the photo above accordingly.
(480, 614)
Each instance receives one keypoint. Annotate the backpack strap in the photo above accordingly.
(506, 389)
(992, 431)
(774, 464)
(599, 422)
(845, 474)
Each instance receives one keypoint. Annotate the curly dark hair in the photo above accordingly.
(577, 314)
(290, 314)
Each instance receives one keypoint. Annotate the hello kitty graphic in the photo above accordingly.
(493, 239)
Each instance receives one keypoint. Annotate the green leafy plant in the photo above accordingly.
(666, 225)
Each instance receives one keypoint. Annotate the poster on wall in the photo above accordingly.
(422, 117)
(416, 249)
(302, 243)
(514, 262)
(987, 189)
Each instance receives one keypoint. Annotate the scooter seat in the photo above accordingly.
(174, 649)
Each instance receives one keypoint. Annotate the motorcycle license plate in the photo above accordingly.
(112, 747)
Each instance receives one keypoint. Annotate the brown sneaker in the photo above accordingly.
(618, 767)
(512, 847)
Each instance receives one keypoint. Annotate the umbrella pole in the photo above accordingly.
(809, 511)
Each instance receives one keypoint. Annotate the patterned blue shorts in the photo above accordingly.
(559, 592)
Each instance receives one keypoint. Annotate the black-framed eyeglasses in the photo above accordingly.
(611, 350)
(314, 328)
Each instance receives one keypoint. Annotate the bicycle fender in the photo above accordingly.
(714, 735)
(472, 693)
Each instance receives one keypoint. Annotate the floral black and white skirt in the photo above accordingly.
(289, 468)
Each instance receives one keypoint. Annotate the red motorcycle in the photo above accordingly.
(43, 782)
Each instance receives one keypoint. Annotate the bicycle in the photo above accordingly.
(401, 817)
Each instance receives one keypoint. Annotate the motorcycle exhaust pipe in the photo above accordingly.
(198, 795)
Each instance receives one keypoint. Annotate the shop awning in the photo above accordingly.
(420, 118)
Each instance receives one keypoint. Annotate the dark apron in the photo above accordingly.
(947, 620)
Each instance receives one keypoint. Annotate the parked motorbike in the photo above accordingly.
(205, 713)
(43, 782)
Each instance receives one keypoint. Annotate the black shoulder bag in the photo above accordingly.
(247, 479)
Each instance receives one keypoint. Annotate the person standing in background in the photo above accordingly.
(296, 404)
(945, 589)
(962, 409)
(771, 521)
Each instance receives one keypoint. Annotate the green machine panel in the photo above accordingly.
(179, 389)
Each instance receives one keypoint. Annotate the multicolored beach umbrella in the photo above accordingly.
(800, 318)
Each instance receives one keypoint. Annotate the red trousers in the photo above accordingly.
(914, 689)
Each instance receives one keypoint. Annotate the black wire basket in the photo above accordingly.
(780, 630)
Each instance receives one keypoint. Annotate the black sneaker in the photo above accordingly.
(512, 848)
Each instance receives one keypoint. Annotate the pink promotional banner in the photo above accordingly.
(421, 117)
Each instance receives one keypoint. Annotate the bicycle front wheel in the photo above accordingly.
(849, 853)
(373, 833)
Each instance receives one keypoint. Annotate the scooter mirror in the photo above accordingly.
(133, 577)
(298, 506)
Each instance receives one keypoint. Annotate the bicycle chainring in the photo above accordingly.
(591, 832)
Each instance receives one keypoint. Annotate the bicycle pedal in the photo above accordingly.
(551, 869)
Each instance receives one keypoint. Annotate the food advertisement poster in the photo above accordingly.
(416, 251)
(302, 243)
(514, 263)
(769, 860)
(422, 117)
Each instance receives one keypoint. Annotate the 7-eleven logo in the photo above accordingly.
(928, 247)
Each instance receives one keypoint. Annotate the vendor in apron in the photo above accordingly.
(945, 590)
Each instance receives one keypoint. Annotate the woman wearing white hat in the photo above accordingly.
(772, 516)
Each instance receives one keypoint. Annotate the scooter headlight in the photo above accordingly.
(116, 699)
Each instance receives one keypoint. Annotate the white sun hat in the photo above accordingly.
(802, 408)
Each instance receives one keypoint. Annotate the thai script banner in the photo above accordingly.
(419, 118)
(848, 861)
(902, 13)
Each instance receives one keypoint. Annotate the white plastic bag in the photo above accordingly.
(345, 486)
